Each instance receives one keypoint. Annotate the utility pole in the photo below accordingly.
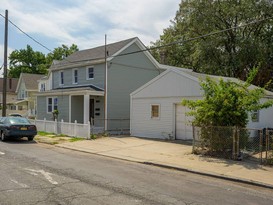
(4, 107)
(105, 85)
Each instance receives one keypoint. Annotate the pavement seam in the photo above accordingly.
(224, 177)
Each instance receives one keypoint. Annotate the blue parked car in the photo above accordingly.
(17, 127)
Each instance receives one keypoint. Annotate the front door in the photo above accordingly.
(91, 109)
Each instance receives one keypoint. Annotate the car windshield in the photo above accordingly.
(18, 120)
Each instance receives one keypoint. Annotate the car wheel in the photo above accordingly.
(3, 137)
(30, 138)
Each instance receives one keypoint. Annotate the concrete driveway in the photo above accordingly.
(174, 155)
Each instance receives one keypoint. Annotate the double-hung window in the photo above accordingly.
(75, 76)
(52, 104)
(42, 88)
(155, 109)
(90, 73)
(61, 77)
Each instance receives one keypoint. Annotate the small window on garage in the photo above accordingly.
(255, 116)
(155, 111)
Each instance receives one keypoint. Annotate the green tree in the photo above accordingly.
(232, 53)
(26, 61)
(61, 53)
(30, 61)
(226, 102)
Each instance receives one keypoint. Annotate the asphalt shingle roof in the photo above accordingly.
(96, 53)
(11, 84)
(30, 80)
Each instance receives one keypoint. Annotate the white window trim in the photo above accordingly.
(73, 76)
(87, 73)
(60, 77)
(257, 113)
(53, 97)
(159, 111)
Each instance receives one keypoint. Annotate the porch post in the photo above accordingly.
(86, 110)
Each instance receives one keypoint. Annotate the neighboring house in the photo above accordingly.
(11, 95)
(26, 91)
(156, 110)
(75, 86)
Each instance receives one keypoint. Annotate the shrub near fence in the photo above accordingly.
(228, 142)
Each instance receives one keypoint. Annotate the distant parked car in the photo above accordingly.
(15, 115)
(17, 127)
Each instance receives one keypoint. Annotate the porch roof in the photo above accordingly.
(82, 90)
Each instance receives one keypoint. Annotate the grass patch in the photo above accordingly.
(42, 133)
(75, 139)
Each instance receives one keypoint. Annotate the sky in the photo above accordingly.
(83, 22)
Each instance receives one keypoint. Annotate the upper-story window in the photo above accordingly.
(90, 73)
(75, 76)
(61, 74)
(42, 87)
(22, 94)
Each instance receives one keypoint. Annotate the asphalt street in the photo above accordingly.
(33, 173)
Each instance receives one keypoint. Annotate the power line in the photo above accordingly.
(36, 41)
(180, 41)
(147, 49)
(194, 38)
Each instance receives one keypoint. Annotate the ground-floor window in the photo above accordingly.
(154, 111)
(52, 104)
(13, 107)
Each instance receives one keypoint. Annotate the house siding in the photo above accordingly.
(77, 108)
(142, 123)
(126, 74)
(265, 118)
(22, 87)
(63, 107)
(98, 80)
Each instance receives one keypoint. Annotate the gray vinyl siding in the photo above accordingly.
(41, 108)
(82, 77)
(99, 111)
(77, 108)
(63, 107)
(125, 75)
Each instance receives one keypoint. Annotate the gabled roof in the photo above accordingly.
(93, 54)
(97, 55)
(30, 80)
(11, 84)
(188, 73)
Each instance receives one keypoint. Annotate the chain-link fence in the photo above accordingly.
(234, 143)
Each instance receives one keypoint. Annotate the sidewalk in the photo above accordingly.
(174, 155)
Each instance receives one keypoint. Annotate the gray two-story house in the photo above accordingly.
(76, 85)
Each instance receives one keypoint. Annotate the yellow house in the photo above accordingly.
(26, 91)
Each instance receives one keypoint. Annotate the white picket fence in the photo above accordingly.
(70, 129)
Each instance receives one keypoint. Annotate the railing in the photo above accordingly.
(115, 127)
(60, 127)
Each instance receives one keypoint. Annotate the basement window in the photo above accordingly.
(154, 111)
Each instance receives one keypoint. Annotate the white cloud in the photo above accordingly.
(86, 21)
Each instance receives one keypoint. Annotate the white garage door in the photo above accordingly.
(183, 128)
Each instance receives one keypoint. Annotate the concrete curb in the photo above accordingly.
(224, 177)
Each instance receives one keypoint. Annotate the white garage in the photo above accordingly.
(156, 110)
